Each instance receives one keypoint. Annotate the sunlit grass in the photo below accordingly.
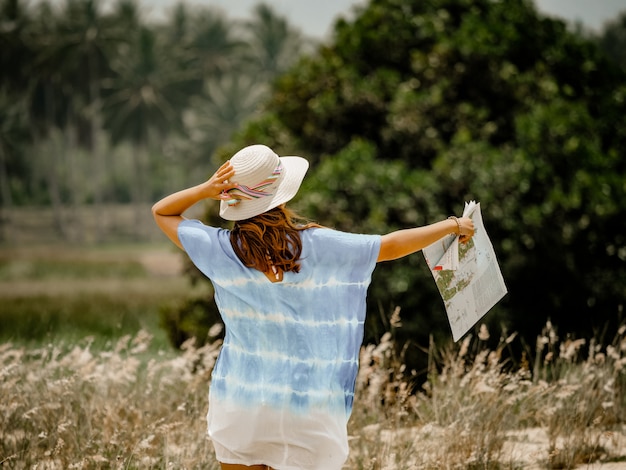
(475, 413)
(88, 380)
(127, 407)
(117, 408)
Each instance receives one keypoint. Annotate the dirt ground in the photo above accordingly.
(527, 449)
(531, 448)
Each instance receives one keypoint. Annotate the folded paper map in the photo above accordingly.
(467, 274)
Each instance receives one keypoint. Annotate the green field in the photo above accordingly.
(62, 294)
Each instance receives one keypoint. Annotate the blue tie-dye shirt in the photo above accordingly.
(291, 348)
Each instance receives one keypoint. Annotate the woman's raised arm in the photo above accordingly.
(168, 211)
(400, 243)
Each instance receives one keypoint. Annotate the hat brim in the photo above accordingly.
(294, 169)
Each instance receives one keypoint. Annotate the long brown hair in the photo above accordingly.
(270, 239)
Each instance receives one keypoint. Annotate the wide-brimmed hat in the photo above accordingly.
(264, 181)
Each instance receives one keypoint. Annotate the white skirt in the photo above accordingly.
(279, 438)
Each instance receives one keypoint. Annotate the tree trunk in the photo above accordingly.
(5, 193)
(139, 187)
(54, 193)
(68, 157)
(51, 170)
(98, 159)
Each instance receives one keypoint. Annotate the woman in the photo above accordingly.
(292, 298)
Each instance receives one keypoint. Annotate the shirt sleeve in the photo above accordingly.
(201, 243)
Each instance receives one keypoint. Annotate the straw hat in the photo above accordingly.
(264, 180)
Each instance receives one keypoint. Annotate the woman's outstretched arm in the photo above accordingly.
(400, 243)
(168, 211)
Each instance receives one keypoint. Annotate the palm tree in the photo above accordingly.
(203, 43)
(275, 45)
(15, 52)
(13, 137)
(177, 42)
(226, 104)
(15, 48)
(49, 103)
(87, 40)
(49, 94)
(142, 104)
(613, 39)
(72, 61)
(30, 97)
(213, 45)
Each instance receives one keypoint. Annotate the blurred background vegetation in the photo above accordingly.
(407, 111)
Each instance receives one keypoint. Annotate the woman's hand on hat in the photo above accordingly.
(219, 182)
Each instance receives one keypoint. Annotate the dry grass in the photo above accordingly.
(131, 403)
(112, 409)
(475, 414)
(124, 408)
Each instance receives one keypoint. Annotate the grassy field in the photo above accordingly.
(88, 380)
(60, 293)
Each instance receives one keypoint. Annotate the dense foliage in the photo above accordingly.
(101, 105)
(418, 106)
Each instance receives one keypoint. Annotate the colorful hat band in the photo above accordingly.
(234, 195)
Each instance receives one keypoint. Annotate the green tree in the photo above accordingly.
(143, 103)
(91, 77)
(15, 51)
(226, 104)
(273, 42)
(213, 44)
(48, 99)
(85, 39)
(242, 61)
(15, 47)
(482, 100)
(612, 40)
(13, 137)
